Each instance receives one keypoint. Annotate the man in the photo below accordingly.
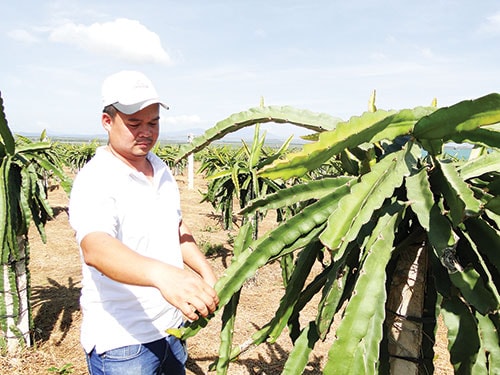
(125, 209)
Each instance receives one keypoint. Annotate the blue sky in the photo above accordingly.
(209, 59)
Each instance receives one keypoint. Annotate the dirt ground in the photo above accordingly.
(56, 276)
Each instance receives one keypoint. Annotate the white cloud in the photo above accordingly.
(122, 38)
(492, 25)
(22, 36)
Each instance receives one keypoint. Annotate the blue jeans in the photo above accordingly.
(162, 357)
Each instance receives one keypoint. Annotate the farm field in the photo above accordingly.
(55, 278)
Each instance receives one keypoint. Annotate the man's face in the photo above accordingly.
(132, 136)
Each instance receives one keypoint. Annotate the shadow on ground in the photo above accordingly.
(54, 303)
(272, 363)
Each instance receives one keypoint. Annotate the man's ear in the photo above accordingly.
(106, 121)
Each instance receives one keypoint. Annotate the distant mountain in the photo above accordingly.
(279, 133)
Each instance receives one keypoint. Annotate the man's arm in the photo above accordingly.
(193, 257)
(182, 288)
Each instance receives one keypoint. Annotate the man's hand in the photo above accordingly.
(187, 291)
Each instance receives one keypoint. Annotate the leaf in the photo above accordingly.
(420, 197)
(305, 261)
(332, 296)
(356, 209)
(432, 146)
(463, 335)
(243, 239)
(489, 351)
(494, 205)
(5, 133)
(315, 189)
(475, 292)
(42, 160)
(350, 163)
(370, 127)
(484, 137)
(438, 227)
(277, 154)
(486, 238)
(256, 150)
(460, 192)
(356, 348)
(4, 211)
(3, 304)
(467, 115)
(298, 357)
(491, 295)
(226, 334)
(477, 167)
(24, 200)
(300, 242)
(32, 147)
(313, 288)
(314, 121)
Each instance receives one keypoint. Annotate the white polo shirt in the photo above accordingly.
(109, 196)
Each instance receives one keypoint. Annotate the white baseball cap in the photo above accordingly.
(129, 92)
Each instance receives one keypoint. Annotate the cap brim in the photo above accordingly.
(129, 109)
